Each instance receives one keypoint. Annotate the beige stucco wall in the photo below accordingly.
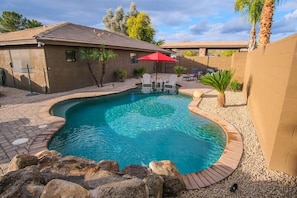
(65, 75)
(32, 56)
(238, 63)
(270, 85)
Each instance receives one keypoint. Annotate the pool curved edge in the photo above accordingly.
(229, 159)
(226, 164)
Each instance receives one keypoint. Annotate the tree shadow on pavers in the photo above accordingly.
(265, 183)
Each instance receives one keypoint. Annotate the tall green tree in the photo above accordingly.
(88, 55)
(219, 80)
(117, 21)
(104, 56)
(140, 27)
(252, 9)
(12, 21)
(266, 22)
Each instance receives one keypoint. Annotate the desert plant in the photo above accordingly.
(219, 80)
(104, 56)
(179, 70)
(235, 85)
(121, 74)
(139, 71)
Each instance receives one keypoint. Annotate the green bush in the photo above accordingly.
(139, 71)
(121, 74)
(179, 69)
(235, 86)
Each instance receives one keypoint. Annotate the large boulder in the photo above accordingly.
(155, 185)
(136, 170)
(173, 180)
(71, 169)
(125, 189)
(109, 165)
(33, 191)
(47, 158)
(100, 178)
(14, 183)
(21, 161)
(61, 188)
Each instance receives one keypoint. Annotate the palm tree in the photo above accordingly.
(219, 80)
(103, 57)
(266, 22)
(89, 54)
(253, 9)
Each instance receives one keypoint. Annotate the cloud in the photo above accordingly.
(200, 27)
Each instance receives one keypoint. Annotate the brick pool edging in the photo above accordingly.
(226, 164)
(229, 159)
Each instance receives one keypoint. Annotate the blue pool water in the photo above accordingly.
(135, 128)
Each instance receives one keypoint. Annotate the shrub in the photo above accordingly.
(139, 71)
(121, 74)
(235, 86)
(179, 69)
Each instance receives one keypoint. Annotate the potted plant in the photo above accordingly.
(139, 71)
(121, 75)
(179, 70)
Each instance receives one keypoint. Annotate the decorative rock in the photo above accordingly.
(21, 161)
(136, 170)
(173, 181)
(109, 165)
(61, 188)
(100, 178)
(73, 166)
(33, 191)
(155, 185)
(124, 189)
(13, 183)
(47, 158)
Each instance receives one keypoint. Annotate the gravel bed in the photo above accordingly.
(252, 176)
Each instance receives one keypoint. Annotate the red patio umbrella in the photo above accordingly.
(157, 57)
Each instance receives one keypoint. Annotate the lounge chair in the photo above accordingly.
(147, 85)
(170, 85)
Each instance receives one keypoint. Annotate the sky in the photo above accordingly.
(174, 21)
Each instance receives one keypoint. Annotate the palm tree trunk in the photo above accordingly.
(266, 23)
(221, 99)
(103, 73)
(92, 73)
(252, 40)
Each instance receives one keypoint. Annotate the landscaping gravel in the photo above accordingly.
(252, 176)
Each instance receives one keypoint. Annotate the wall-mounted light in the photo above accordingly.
(40, 44)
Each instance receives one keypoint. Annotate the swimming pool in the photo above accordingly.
(136, 128)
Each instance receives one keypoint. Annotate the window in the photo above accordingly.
(70, 55)
(133, 58)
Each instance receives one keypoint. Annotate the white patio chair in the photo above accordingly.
(170, 85)
(147, 84)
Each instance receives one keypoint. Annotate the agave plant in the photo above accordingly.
(219, 80)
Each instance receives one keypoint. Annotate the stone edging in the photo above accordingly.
(229, 160)
(227, 163)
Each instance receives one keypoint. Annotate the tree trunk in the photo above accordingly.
(252, 40)
(103, 73)
(266, 23)
(92, 73)
(221, 99)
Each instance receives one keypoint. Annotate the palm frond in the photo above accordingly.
(218, 80)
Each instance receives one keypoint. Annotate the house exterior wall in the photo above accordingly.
(65, 75)
(270, 85)
(18, 76)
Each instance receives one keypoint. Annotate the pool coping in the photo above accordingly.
(225, 166)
